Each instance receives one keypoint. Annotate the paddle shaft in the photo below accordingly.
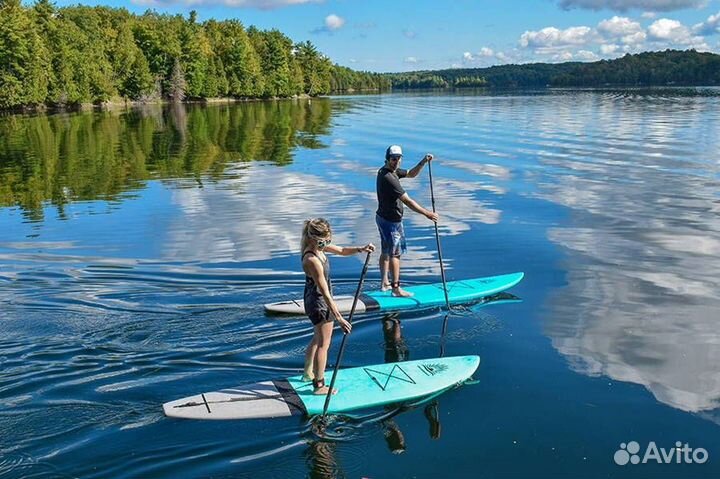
(342, 344)
(437, 238)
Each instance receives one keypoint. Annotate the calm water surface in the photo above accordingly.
(137, 249)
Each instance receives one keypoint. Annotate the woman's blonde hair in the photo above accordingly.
(316, 229)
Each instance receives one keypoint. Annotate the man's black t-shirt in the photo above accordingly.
(389, 192)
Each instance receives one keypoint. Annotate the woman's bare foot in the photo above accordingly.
(306, 378)
(323, 391)
(385, 287)
(401, 293)
(320, 389)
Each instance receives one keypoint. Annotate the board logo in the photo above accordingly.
(431, 369)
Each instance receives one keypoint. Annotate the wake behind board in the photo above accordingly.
(358, 388)
(424, 296)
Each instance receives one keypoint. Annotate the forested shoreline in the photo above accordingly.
(76, 55)
(666, 68)
(70, 56)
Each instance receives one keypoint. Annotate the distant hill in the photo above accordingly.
(669, 67)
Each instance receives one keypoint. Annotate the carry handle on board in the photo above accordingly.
(342, 344)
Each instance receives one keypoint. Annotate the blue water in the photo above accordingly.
(137, 249)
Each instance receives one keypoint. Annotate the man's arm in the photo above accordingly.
(412, 173)
(413, 205)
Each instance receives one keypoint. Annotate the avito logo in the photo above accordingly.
(680, 454)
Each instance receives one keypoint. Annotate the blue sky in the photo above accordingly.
(403, 35)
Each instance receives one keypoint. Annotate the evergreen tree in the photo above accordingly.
(22, 54)
(196, 57)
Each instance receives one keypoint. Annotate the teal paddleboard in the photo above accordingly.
(358, 388)
(424, 296)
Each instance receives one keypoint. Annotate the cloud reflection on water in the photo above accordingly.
(642, 249)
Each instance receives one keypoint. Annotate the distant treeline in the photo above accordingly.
(671, 67)
(79, 54)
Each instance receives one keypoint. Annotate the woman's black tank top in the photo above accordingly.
(313, 299)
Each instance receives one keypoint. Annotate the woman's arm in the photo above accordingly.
(348, 250)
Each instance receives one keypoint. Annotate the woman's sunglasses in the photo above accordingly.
(323, 242)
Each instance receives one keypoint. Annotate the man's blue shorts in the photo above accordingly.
(392, 236)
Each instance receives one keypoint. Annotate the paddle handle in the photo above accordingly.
(437, 238)
(342, 344)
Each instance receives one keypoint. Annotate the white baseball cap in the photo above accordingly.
(393, 150)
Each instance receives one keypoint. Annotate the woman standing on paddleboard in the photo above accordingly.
(318, 300)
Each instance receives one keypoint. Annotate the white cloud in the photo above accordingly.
(551, 37)
(409, 34)
(615, 35)
(666, 29)
(625, 5)
(334, 22)
(634, 39)
(623, 29)
(411, 60)
(709, 26)
(674, 33)
(618, 27)
(670, 30)
(609, 48)
(486, 56)
(648, 14)
(586, 56)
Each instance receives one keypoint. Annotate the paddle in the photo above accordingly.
(342, 344)
(437, 238)
(431, 410)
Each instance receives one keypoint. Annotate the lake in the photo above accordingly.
(137, 248)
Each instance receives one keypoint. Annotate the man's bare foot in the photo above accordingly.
(401, 293)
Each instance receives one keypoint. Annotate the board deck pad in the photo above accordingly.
(424, 296)
(358, 388)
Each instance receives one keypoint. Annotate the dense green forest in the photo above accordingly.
(73, 55)
(670, 67)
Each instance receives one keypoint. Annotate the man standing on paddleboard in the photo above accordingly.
(391, 197)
